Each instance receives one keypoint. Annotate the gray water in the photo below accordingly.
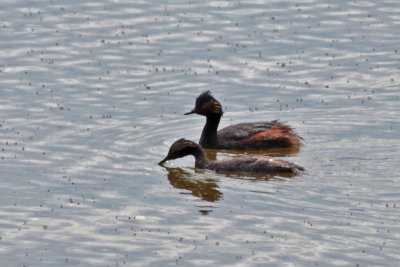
(92, 94)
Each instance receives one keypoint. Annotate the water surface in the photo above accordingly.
(92, 94)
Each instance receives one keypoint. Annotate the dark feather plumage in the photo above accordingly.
(246, 164)
(242, 136)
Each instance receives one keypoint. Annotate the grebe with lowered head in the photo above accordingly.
(246, 164)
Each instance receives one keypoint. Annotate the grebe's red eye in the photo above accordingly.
(203, 106)
(172, 150)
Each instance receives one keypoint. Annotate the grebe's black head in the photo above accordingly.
(181, 148)
(206, 105)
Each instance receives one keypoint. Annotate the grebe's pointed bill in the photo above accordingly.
(164, 160)
(190, 112)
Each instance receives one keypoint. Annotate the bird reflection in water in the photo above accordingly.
(206, 190)
(272, 152)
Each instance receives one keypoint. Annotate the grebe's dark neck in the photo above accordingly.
(209, 135)
(200, 157)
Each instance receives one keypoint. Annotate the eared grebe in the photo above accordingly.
(247, 136)
(247, 164)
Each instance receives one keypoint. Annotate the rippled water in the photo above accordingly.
(92, 94)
